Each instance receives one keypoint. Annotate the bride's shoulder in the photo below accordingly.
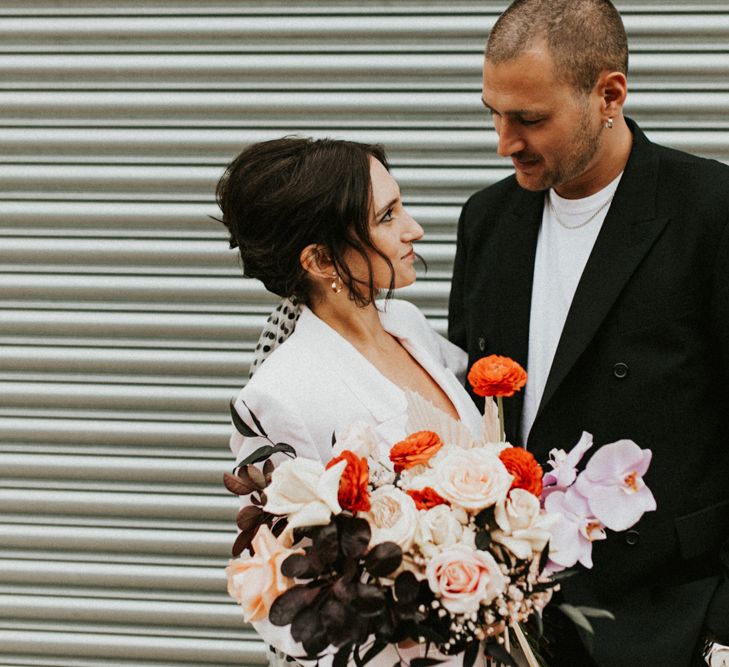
(399, 309)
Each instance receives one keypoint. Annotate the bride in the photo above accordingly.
(322, 222)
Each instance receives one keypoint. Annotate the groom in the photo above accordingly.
(602, 266)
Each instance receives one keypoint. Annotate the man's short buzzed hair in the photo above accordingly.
(584, 37)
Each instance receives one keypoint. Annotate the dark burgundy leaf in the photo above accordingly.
(249, 518)
(325, 543)
(406, 588)
(268, 469)
(239, 424)
(384, 559)
(242, 542)
(485, 517)
(236, 485)
(543, 557)
(334, 438)
(470, 654)
(287, 605)
(341, 659)
(373, 651)
(354, 536)
(483, 540)
(256, 476)
(279, 527)
(424, 662)
(255, 420)
(369, 600)
(255, 500)
(344, 590)
(300, 566)
(495, 651)
(308, 629)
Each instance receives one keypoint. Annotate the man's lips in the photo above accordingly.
(524, 163)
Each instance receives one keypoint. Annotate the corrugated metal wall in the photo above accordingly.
(124, 324)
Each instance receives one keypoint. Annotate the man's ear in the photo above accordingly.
(613, 90)
(316, 261)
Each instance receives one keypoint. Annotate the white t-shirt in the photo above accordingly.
(560, 260)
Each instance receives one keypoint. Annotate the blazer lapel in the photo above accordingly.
(512, 283)
(629, 230)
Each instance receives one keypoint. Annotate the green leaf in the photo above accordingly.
(576, 615)
(284, 449)
(500, 653)
(425, 662)
(260, 454)
(595, 612)
(255, 420)
(239, 424)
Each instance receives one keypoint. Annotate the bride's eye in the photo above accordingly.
(387, 216)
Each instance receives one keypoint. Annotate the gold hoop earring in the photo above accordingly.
(609, 123)
(336, 283)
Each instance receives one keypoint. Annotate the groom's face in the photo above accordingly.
(550, 130)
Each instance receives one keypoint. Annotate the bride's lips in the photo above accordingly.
(410, 255)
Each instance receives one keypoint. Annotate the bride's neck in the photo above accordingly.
(360, 325)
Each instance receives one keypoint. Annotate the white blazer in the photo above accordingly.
(317, 383)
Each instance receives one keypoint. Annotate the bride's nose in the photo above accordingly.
(412, 231)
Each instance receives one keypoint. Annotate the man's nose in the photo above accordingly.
(510, 140)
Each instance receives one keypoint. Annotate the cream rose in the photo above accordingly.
(523, 527)
(439, 527)
(471, 478)
(305, 492)
(392, 517)
(464, 578)
(256, 581)
(359, 438)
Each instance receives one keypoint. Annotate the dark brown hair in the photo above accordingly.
(279, 196)
(584, 37)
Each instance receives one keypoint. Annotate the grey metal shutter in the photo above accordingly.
(124, 324)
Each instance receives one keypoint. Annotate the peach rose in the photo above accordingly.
(471, 478)
(464, 578)
(417, 449)
(392, 517)
(522, 465)
(353, 495)
(256, 581)
(496, 376)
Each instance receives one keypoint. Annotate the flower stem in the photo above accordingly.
(500, 405)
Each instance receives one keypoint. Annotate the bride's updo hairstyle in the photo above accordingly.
(277, 197)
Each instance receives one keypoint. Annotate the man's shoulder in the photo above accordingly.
(692, 174)
(500, 192)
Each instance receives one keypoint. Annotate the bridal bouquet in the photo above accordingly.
(440, 537)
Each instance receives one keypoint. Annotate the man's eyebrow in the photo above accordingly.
(515, 112)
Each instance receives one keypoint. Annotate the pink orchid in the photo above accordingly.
(574, 533)
(564, 465)
(612, 482)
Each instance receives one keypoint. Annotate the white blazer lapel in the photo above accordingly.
(374, 391)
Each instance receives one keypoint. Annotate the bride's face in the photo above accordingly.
(392, 231)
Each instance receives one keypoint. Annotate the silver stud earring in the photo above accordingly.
(609, 123)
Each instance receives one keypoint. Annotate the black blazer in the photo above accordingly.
(644, 354)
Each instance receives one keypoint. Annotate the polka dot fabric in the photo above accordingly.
(279, 326)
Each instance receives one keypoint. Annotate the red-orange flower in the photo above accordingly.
(522, 465)
(353, 495)
(417, 448)
(426, 498)
(496, 376)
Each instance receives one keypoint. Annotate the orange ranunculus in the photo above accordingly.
(496, 376)
(416, 449)
(426, 498)
(522, 465)
(353, 495)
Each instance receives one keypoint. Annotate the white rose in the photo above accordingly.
(471, 478)
(436, 528)
(524, 528)
(305, 492)
(392, 517)
(359, 438)
(464, 578)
